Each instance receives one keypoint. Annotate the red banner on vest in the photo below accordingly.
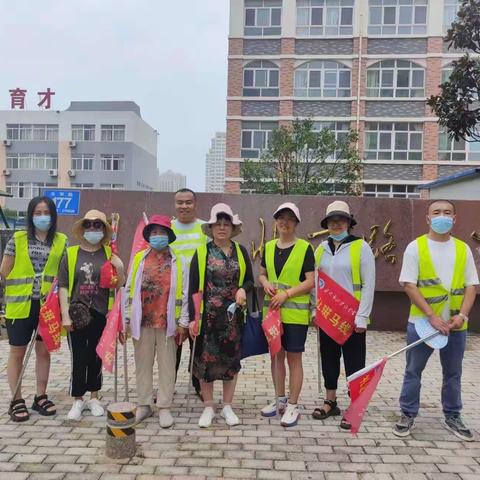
(336, 309)
(361, 387)
(273, 328)
(106, 345)
(50, 320)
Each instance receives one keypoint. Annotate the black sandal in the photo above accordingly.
(43, 408)
(18, 407)
(345, 425)
(322, 414)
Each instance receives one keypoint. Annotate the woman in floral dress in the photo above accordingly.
(223, 272)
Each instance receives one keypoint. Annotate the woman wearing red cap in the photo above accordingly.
(153, 306)
(287, 276)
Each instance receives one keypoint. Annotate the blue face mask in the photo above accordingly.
(93, 237)
(42, 222)
(340, 236)
(441, 224)
(158, 242)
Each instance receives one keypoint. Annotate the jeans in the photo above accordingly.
(451, 357)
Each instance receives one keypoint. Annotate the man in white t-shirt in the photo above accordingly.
(439, 276)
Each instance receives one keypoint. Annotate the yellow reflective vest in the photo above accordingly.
(202, 267)
(179, 279)
(296, 310)
(430, 285)
(188, 241)
(72, 255)
(19, 282)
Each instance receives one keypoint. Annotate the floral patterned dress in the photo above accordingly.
(217, 353)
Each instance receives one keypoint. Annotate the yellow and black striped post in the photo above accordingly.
(120, 438)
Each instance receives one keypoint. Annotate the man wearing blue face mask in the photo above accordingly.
(439, 276)
(154, 292)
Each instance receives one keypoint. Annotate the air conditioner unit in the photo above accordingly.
(72, 173)
(53, 172)
(7, 143)
(72, 144)
(7, 173)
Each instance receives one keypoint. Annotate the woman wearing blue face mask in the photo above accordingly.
(84, 306)
(349, 261)
(153, 307)
(30, 263)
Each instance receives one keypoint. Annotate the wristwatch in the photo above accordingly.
(463, 316)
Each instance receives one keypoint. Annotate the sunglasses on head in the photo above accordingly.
(92, 223)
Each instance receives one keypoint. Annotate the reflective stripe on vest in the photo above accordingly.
(72, 255)
(202, 267)
(295, 310)
(19, 282)
(178, 293)
(355, 248)
(430, 285)
(188, 241)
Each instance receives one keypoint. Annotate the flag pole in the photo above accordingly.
(319, 364)
(191, 372)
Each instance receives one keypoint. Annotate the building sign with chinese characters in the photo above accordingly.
(18, 96)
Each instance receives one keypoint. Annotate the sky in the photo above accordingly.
(169, 56)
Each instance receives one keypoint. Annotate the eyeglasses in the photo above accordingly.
(97, 224)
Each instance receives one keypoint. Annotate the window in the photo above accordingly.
(322, 79)
(113, 162)
(451, 150)
(83, 161)
(395, 78)
(260, 79)
(32, 161)
(450, 13)
(83, 133)
(112, 186)
(37, 132)
(324, 17)
(82, 186)
(256, 137)
(393, 141)
(113, 133)
(263, 17)
(391, 191)
(446, 72)
(27, 190)
(340, 129)
(397, 17)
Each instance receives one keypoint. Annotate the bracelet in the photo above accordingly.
(463, 316)
(286, 291)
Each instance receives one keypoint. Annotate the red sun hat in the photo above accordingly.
(163, 221)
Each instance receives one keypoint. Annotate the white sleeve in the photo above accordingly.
(409, 273)
(471, 275)
(367, 274)
(184, 318)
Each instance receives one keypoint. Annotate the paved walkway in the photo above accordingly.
(57, 449)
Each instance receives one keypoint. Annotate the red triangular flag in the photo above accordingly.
(273, 328)
(362, 386)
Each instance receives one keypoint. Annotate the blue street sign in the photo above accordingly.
(66, 201)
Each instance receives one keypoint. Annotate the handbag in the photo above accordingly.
(79, 314)
(253, 337)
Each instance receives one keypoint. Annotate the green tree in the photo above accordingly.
(303, 161)
(457, 106)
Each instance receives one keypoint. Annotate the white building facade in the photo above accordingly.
(215, 164)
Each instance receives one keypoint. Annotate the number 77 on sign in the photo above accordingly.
(66, 201)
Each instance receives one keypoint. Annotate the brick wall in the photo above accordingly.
(235, 78)
(235, 46)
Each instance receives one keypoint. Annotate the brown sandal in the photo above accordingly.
(322, 414)
(17, 407)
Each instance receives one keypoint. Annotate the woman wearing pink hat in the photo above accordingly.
(153, 307)
(287, 276)
(223, 272)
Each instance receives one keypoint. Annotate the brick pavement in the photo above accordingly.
(57, 449)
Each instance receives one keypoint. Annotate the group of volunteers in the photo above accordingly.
(186, 258)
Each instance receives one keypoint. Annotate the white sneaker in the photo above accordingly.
(143, 412)
(165, 418)
(270, 410)
(291, 416)
(229, 415)
(75, 412)
(206, 417)
(95, 407)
